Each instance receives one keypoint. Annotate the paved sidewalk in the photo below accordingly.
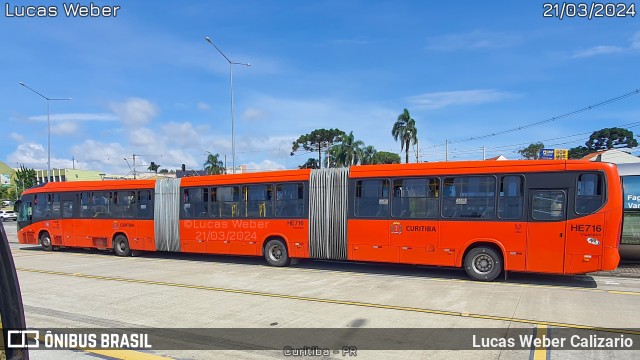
(628, 269)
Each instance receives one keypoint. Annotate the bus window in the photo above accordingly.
(85, 205)
(589, 193)
(511, 197)
(548, 205)
(258, 201)
(145, 205)
(54, 204)
(67, 201)
(196, 203)
(100, 201)
(415, 198)
(289, 200)
(124, 204)
(228, 198)
(40, 209)
(372, 198)
(469, 197)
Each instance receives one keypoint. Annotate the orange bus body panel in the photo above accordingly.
(575, 246)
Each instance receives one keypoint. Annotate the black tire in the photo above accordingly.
(121, 246)
(276, 254)
(483, 264)
(45, 242)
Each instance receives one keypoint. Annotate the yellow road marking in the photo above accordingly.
(540, 353)
(557, 287)
(334, 301)
(126, 354)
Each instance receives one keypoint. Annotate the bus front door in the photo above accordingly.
(546, 230)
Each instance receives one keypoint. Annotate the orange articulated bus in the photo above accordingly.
(559, 217)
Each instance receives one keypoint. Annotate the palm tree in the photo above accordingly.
(404, 129)
(213, 165)
(369, 155)
(348, 152)
(154, 167)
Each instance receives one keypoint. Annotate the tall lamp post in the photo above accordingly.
(48, 128)
(233, 137)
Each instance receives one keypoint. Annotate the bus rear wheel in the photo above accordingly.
(45, 241)
(483, 263)
(121, 246)
(276, 254)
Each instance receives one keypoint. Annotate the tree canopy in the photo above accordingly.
(312, 163)
(154, 167)
(385, 157)
(317, 140)
(25, 178)
(405, 131)
(213, 165)
(531, 152)
(578, 152)
(610, 138)
(348, 152)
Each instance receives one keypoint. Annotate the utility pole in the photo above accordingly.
(417, 152)
(483, 154)
(134, 166)
(446, 150)
(73, 160)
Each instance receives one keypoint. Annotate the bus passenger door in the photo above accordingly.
(68, 212)
(82, 225)
(546, 231)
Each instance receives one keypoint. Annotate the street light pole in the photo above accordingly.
(48, 127)
(233, 137)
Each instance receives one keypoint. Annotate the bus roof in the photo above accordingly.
(360, 171)
(471, 167)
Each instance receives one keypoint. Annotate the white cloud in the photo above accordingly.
(634, 44)
(135, 111)
(203, 106)
(16, 137)
(75, 117)
(64, 128)
(264, 166)
(254, 114)
(34, 156)
(598, 50)
(474, 40)
(437, 100)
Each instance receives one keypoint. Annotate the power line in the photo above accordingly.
(515, 146)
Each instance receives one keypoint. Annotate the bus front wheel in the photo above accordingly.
(483, 263)
(276, 254)
(45, 241)
(121, 246)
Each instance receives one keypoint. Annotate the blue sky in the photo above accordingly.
(146, 82)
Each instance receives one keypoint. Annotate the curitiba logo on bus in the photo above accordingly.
(396, 227)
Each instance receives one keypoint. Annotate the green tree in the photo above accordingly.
(578, 152)
(404, 130)
(154, 167)
(369, 155)
(532, 152)
(610, 138)
(213, 165)
(25, 178)
(311, 163)
(317, 140)
(163, 171)
(348, 152)
(385, 157)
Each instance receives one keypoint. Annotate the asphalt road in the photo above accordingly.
(92, 289)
